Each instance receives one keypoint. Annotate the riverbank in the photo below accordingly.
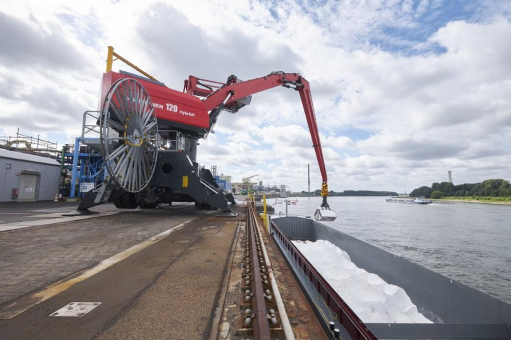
(471, 201)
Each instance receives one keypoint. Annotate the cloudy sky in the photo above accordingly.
(404, 90)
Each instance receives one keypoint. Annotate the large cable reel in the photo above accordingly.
(129, 135)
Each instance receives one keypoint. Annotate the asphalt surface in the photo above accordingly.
(36, 207)
(180, 303)
(165, 291)
(35, 257)
(11, 212)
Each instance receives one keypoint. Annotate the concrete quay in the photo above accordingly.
(148, 274)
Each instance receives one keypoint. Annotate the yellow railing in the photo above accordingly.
(110, 60)
(265, 215)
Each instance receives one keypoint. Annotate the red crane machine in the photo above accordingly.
(148, 137)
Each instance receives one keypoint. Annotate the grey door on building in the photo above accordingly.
(28, 187)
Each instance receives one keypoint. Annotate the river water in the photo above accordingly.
(467, 242)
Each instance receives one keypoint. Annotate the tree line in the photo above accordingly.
(487, 188)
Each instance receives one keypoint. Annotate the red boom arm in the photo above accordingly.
(236, 90)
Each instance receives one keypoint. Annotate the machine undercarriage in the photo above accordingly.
(176, 178)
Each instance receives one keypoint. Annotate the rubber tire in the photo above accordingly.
(129, 201)
(146, 205)
(118, 203)
(199, 206)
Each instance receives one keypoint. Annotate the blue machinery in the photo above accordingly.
(223, 182)
(85, 166)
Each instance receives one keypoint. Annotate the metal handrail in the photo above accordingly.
(94, 127)
(346, 316)
(174, 144)
(178, 144)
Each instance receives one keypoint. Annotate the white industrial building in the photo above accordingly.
(27, 177)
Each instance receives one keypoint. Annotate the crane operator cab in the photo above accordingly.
(324, 213)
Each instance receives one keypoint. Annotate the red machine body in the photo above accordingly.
(173, 108)
(185, 111)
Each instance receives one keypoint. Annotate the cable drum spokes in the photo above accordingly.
(129, 135)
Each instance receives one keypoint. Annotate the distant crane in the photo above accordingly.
(247, 179)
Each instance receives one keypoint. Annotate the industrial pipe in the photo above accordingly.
(29, 150)
(286, 325)
(62, 177)
(74, 174)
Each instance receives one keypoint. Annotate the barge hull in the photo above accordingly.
(457, 311)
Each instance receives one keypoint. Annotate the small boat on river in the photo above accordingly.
(409, 200)
(422, 200)
(395, 199)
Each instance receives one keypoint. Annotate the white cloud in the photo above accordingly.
(428, 106)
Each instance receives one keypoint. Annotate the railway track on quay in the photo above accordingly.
(257, 291)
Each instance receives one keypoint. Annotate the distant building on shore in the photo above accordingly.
(449, 173)
(223, 180)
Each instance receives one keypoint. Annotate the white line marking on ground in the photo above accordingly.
(75, 309)
(22, 304)
(37, 223)
(21, 213)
